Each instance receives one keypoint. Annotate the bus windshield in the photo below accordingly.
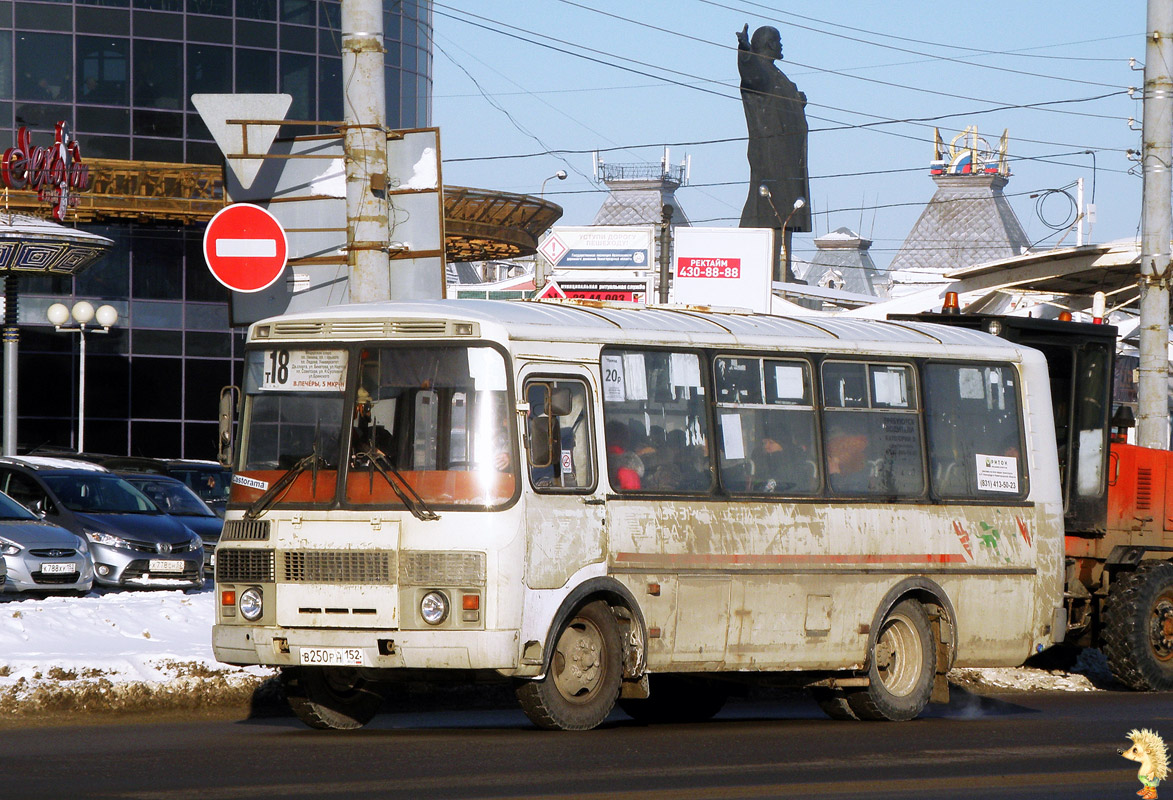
(421, 427)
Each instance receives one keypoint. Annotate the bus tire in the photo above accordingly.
(584, 674)
(901, 667)
(1138, 628)
(833, 702)
(330, 698)
(676, 698)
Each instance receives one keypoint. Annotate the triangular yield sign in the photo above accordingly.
(551, 291)
(216, 109)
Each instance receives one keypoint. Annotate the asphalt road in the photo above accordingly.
(1003, 746)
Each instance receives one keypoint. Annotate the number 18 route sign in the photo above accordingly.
(245, 247)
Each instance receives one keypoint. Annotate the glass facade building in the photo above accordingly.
(121, 73)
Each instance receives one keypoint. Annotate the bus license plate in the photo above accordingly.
(334, 656)
(157, 565)
(58, 569)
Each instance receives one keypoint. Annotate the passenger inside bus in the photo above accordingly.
(847, 463)
(624, 467)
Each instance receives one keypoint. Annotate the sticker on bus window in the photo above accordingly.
(304, 370)
(684, 369)
(969, 384)
(613, 379)
(997, 473)
(889, 388)
(567, 462)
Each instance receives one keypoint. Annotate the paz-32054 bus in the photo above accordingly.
(611, 504)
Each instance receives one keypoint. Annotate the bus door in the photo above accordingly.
(565, 507)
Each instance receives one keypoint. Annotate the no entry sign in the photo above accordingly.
(245, 247)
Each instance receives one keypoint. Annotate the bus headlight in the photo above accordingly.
(434, 608)
(251, 606)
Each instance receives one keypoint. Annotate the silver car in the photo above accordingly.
(40, 556)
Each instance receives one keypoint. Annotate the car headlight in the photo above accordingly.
(195, 544)
(108, 539)
(251, 606)
(434, 608)
(9, 547)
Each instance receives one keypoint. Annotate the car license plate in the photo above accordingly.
(333, 656)
(58, 569)
(158, 565)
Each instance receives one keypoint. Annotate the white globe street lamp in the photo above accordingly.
(83, 314)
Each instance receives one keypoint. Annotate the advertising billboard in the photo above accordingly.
(724, 267)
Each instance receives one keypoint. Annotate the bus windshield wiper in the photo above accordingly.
(408, 495)
(282, 484)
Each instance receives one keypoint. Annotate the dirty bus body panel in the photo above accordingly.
(611, 503)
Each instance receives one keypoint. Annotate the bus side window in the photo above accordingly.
(558, 436)
(974, 431)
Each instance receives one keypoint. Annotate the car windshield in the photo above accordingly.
(97, 493)
(172, 497)
(10, 509)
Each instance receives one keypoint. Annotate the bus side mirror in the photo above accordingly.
(559, 402)
(225, 418)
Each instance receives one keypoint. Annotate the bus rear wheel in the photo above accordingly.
(330, 698)
(677, 698)
(901, 667)
(584, 675)
(1138, 628)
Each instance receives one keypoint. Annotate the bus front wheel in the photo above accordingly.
(584, 675)
(1138, 627)
(901, 667)
(330, 698)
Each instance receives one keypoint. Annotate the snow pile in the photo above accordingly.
(115, 651)
(122, 651)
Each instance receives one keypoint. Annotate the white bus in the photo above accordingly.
(606, 503)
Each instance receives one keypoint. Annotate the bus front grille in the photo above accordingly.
(246, 530)
(424, 568)
(338, 566)
(244, 566)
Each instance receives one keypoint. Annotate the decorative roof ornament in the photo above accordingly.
(969, 154)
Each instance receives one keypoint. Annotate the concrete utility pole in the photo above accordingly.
(1156, 228)
(364, 104)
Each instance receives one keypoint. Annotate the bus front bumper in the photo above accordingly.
(391, 649)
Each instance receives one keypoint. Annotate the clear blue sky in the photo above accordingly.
(579, 75)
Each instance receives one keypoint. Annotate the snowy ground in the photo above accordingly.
(111, 651)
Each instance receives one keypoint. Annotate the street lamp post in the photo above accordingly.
(83, 314)
(764, 191)
(560, 175)
(539, 271)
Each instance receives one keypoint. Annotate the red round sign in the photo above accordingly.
(245, 247)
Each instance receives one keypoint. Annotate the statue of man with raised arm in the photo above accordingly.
(776, 120)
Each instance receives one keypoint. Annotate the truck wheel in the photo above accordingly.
(1138, 628)
(677, 698)
(901, 667)
(330, 698)
(585, 672)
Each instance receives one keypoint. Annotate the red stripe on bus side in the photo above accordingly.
(750, 559)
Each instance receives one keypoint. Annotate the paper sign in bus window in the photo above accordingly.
(969, 384)
(731, 436)
(613, 391)
(997, 473)
(890, 388)
(635, 377)
(788, 382)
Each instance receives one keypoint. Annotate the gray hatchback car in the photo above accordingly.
(132, 543)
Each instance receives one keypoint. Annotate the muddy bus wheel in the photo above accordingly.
(1138, 628)
(585, 672)
(330, 698)
(677, 698)
(901, 667)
